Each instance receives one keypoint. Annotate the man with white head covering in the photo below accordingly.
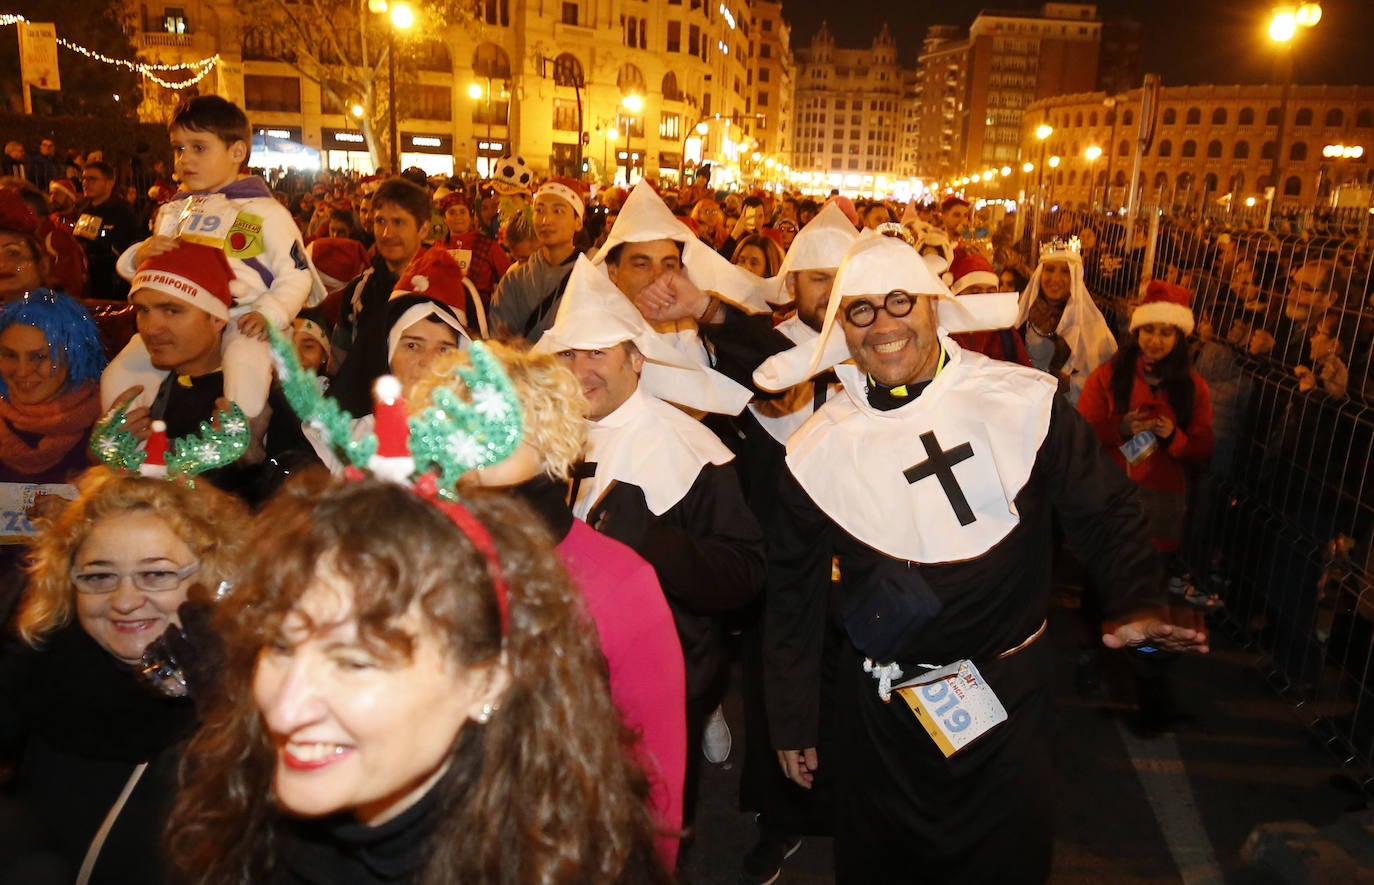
(656, 479)
(1065, 334)
(805, 278)
(933, 480)
(707, 307)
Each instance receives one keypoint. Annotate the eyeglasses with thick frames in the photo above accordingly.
(149, 580)
(897, 304)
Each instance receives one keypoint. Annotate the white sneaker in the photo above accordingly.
(715, 738)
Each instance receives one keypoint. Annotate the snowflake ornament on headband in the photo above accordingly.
(185, 458)
(426, 453)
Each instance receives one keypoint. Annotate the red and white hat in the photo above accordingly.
(338, 260)
(193, 272)
(1165, 303)
(435, 274)
(566, 189)
(969, 268)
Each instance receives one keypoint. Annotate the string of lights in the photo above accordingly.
(199, 68)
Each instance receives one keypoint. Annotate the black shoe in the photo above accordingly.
(763, 863)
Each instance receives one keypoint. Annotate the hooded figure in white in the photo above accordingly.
(1081, 327)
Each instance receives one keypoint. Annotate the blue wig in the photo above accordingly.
(72, 335)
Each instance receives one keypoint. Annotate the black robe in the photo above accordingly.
(905, 812)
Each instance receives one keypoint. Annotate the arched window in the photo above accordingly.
(1209, 182)
(1265, 182)
(1092, 118)
(1298, 151)
(1304, 118)
(1170, 116)
(671, 91)
(1237, 182)
(490, 60)
(1214, 150)
(1184, 180)
(1246, 117)
(1219, 117)
(1189, 149)
(1335, 117)
(1365, 118)
(1292, 186)
(1078, 120)
(630, 81)
(1241, 151)
(1166, 148)
(1161, 180)
(1271, 117)
(1120, 179)
(1268, 150)
(1110, 117)
(1073, 177)
(1127, 117)
(567, 71)
(1124, 148)
(1194, 116)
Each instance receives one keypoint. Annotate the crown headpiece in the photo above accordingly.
(1062, 249)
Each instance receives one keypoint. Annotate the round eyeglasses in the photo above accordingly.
(896, 303)
(149, 580)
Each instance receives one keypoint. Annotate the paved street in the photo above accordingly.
(1176, 808)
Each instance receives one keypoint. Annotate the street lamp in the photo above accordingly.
(1053, 163)
(1283, 28)
(1092, 153)
(634, 104)
(1043, 133)
(402, 19)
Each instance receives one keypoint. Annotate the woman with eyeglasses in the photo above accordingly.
(92, 745)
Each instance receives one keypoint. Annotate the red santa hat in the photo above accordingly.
(65, 184)
(847, 207)
(1164, 303)
(969, 268)
(338, 260)
(566, 189)
(435, 274)
(155, 451)
(192, 272)
(951, 201)
(451, 199)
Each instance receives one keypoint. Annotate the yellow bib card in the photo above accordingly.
(953, 704)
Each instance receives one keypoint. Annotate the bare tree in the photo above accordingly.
(343, 46)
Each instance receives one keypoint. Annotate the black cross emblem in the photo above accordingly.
(580, 471)
(940, 464)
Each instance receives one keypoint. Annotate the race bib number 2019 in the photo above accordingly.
(953, 704)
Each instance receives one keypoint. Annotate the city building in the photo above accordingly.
(616, 89)
(1211, 143)
(848, 115)
(937, 119)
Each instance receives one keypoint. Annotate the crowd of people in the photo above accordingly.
(425, 510)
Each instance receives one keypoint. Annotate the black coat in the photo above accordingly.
(75, 722)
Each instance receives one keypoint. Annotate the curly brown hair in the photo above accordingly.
(212, 523)
(545, 792)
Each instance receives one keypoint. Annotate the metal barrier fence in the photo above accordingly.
(1282, 525)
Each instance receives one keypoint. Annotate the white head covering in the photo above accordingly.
(1082, 325)
(876, 264)
(417, 312)
(595, 315)
(645, 217)
(819, 245)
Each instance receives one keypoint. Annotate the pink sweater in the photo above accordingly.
(644, 658)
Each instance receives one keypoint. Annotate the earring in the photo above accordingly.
(487, 709)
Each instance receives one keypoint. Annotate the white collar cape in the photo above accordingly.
(782, 415)
(935, 480)
(1082, 325)
(595, 315)
(645, 217)
(877, 264)
(649, 444)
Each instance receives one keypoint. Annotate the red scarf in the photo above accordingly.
(61, 423)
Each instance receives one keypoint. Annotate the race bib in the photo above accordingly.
(87, 227)
(953, 704)
(15, 500)
(206, 219)
(463, 257)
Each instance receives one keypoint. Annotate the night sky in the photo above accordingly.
(1188, 41)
